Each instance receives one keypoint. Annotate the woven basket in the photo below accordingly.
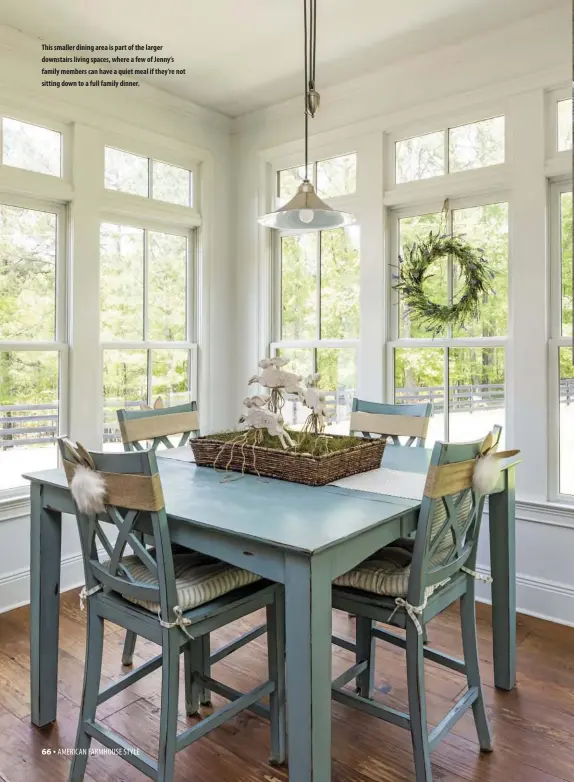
(289, 465)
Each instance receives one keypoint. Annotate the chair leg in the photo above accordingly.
(195, 663)
(276, 657)
(470, 648)
(417, 704)
(365, 651)
(169, 695)
(205, 697)
(92, 675)
(129, 648)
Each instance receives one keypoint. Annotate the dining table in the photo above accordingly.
(300, 536)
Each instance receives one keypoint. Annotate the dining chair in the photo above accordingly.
(157, 424)
(406, 585)
(172, 600)
(154, 425)
(394, 421)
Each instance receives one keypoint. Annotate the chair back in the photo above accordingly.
(132, 488)
(449, 520)
(394, 421)
(157, 425)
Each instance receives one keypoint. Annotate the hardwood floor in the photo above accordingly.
(533, 726)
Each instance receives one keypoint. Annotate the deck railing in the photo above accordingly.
(37, 424)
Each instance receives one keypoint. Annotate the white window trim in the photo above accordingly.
(60, 343)
(556, 341)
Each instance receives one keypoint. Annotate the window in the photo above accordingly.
(32, 349)
(464, 382)
(146, 293)
(142, 176)
(31, 147)
(420, 158)
(333, 177)
(463, 148)
(561, 367)
(319, 297)
(564, 124)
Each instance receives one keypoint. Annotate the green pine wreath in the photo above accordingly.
(415, 268)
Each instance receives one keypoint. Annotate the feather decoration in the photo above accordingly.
(88, 489)
(486, 473)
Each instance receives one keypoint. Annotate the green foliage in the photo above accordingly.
(415, 266)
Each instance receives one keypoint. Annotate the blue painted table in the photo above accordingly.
(301, 536)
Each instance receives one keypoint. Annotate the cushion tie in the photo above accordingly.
(413, 611)
(180, 621)
(477, 576)
(85, 593)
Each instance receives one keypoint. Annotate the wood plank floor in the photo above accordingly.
(533, 726)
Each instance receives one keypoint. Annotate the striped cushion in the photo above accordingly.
(198, 579)
(387, 571)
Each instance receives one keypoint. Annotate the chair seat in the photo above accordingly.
(386, 572)
(198, 579)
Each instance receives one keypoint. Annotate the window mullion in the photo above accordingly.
(318, 267)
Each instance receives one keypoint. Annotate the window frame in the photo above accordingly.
(156, 207)
(395, 342)
(60, 343)
(190, 343)
(350, 202)
(556, 339)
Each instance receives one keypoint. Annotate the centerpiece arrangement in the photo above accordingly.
(265, 446)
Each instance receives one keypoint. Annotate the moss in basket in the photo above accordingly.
(305, 442)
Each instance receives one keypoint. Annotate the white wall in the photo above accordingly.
(509, 71)
(147, 118)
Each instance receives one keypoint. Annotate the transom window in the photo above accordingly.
(31, 147)
(461, 148)
(147, 177)
(32, 338)
(564, 124)
(332, 177)
(147, 319)
(464, 382)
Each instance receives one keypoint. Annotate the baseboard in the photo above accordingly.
(15, 586)
(543, 599)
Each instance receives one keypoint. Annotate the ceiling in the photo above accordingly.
(241, 55)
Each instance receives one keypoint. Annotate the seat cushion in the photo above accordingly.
(386, 572)
(198, 579)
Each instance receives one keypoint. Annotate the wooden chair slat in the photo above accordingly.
(406, 425)
(158, 426)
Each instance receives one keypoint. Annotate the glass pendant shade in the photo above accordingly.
(306, 212)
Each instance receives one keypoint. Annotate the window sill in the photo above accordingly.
(14, 504)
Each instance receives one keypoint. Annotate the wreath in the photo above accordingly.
(415, 267)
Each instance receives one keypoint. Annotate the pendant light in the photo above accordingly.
(306, 211)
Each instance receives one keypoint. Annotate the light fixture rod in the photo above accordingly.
(310, 35)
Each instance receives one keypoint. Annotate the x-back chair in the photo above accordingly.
(394, 421)
(172, 600)
(408, 588)
(157, 425)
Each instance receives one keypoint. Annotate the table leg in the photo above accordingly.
(308, 645)
(45, 555)
(502, 524)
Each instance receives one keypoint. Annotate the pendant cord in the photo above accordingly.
(310, 34)
(306, 98)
